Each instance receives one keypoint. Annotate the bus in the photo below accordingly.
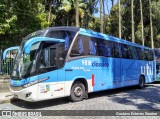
(10, 52)
(157, 57)
(72, 62)
(7, 58)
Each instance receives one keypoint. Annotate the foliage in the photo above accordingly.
(21, 17)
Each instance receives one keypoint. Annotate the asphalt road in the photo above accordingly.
(129, 98)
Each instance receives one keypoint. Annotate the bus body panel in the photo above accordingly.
(117, 80)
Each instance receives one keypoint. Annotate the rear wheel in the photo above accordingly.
(77, 92)
(141, 82)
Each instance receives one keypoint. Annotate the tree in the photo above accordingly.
(142, 22)
(119, 7)
(151, 27)
(112, 2)
(101, 17)
(132, 16)
(70, 11)
(77, 13)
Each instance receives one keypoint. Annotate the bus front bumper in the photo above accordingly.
(27, 94)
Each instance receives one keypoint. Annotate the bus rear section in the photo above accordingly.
(157, 57)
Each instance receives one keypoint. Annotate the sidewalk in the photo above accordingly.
(5, 95)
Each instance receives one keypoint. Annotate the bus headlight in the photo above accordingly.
(34, 82)
(30, 84)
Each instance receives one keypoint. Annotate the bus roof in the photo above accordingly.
(43, 32)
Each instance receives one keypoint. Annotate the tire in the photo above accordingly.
(141, 82)
(77, 92)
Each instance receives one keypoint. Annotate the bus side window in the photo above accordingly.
(145, 53)
(52, 57)
(56, 34)
(69, 35)
(117, 50)
(108, 49)
(133, 52)
(151, 55)
(77, 49)
(92, 47)
(44, 59)
(139, 53)
(125, 52)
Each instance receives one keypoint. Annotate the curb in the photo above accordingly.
(7, 99)
(10, 100)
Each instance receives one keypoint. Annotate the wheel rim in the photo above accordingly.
(78, 91)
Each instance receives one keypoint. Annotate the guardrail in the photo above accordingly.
(6, 65)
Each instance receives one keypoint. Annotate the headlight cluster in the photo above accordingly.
(34, 82)
(30, 84)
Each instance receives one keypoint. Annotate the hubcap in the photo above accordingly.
(78, 91)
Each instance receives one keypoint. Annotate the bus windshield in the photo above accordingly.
(25, 62)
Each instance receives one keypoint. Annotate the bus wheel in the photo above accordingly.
(77, 92)
(141, 82)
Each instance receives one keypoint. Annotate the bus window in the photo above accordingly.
(101, 47)
(117, 50)
(77, 49)
(151, 55)
(145, 53)
(47, 55)
(133, 52)
(44, 61)
(108, 49)
(52, 57)
(126, 52)
(84, 46)
(105, 48)
(92, 47)
(140, 54)
(56, 34)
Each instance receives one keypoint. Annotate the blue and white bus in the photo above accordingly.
(68, 61)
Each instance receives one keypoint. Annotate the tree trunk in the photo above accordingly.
(112, 2)
(101, 16)
(49, 13)
(150, 14)
(142, 22)
(77, 13)
(104, 18)
(132, 16)
(120, 24)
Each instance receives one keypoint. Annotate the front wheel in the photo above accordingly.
(141, 82)
(77, 92)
